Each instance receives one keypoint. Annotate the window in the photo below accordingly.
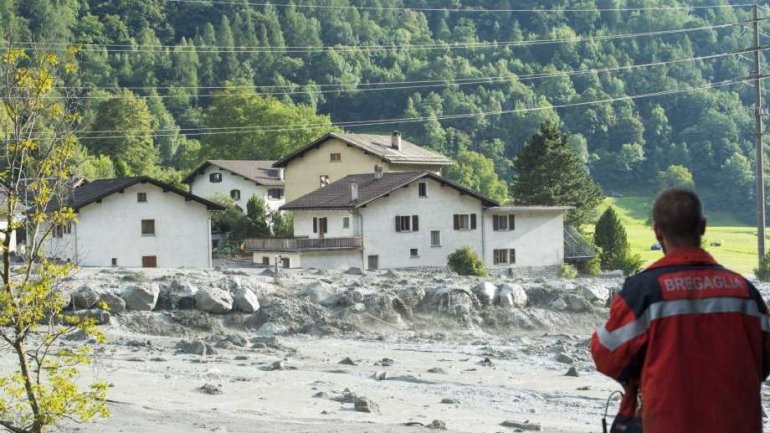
(414, 253)
(324, 180)
(422, 189)
(345, 222)
(265, 261)
(149, 261)
(407, 223)
(320, 225)
(235, 194)
(59, 230)
(503, 257)
(114, 261)
(148, 227)
(464, 221)
(435, 238)
(215, 177)
(503, 222)
(275, 193)
(141, 197)
(373, 262)
(335, 157)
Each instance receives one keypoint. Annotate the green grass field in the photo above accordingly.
(738, 250)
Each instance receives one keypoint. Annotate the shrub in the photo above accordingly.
(763, 271)
(465, 261)
(567, 271)
(593, 267)
(631, 264)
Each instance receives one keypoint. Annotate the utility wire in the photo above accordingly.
(385, 86)
(461, 10)
(363, 123)
(181, 49)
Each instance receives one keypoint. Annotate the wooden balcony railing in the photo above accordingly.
(302, 244)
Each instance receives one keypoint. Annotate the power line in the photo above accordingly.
(402, 85)
(363, 123)
(460, 10)
(182, 49)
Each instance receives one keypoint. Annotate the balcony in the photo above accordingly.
(302, 244)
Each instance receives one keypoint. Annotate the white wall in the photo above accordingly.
(112, 229)
(334, 259)
(303, 223)
(203, 187)
(435, 213)
(538, 238)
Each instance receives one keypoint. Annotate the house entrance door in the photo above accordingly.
(373, 262)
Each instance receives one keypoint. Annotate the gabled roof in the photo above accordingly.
(261, 172)
(337, 195)
(100, 189)
(379, 146)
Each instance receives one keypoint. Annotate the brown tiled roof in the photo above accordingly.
(100, 189)
(379, 146)
(261, 172)
(337, 195)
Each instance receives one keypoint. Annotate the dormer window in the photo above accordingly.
(215, 177)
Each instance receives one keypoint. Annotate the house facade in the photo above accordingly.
(239, 180)
(410, 220)
(135, 222)
(336, 155)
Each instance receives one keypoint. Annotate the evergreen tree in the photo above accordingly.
(282, 224)
(256, 210)
(548, 173)
(610, 236)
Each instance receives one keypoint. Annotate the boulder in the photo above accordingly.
(320, 293)
(213, 300)
(354, 271)
(85, 298)
(577, 304)
(141, 297)
(194, 347)
(511, 295)
(595, 294)
(486, 293)
(363, 404)
(100, 317)
(115, 303)
(245, 300)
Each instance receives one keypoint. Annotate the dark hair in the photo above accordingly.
(678, 214)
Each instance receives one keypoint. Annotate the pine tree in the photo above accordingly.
(256, 210)
(549, 173)
(611, 237)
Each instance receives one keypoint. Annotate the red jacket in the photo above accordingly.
(697, 336)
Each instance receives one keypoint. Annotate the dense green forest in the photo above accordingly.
(164, 84)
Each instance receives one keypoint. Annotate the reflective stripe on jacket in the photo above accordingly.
(698, 337)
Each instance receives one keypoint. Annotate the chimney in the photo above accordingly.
(354, 191)
(396, 140)
(377, 172)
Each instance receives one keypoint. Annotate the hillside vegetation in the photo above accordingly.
(165, 83)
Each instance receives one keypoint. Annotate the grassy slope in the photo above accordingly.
(739, 242)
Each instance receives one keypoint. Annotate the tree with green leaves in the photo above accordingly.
(256, 210)
(675, 176)
(611, 237)
(282, 224)
(477, 172)
(465, 261)
(41, 387)
(549, 173)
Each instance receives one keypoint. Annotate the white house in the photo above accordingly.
(135, 222)
(239, 180)
(407, 220)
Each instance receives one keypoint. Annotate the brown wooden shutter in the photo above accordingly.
(415, 223)
(315, 225)
(473, 221)
(457, 222)
(398, 223)
(511, 222)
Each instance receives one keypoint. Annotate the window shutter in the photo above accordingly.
(398, 223)
(513, 257)
(495, 223)
(457, 222)
(315, 225)
(511, 222)
(415, 223)
(473, 221)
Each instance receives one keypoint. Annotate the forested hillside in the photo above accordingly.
(642, 84)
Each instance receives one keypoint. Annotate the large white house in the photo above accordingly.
(407, 220)
(239, 180)
(135, 222)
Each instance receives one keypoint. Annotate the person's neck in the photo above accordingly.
(671, 249)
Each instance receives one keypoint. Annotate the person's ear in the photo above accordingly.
(658, 233)
(702, 227)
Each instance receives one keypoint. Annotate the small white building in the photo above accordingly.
(239, 180)
(408, 220)
(135, 222)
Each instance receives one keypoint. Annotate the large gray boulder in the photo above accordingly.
(245, 300)
(595, 294)
(141, 297)
(511, 295)
(485, 292)
(213, 300)
(115, 303)
(320, 293)
(85, 298)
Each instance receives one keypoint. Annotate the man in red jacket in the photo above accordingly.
(688, 339)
